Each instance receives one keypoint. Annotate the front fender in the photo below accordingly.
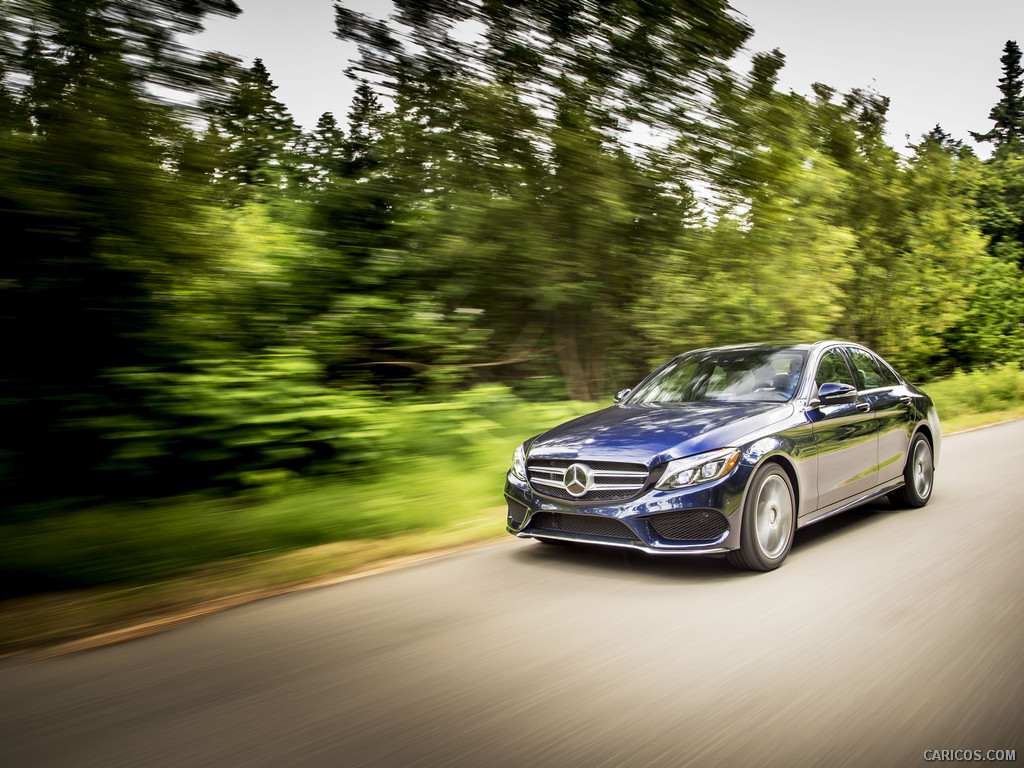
(796, 456)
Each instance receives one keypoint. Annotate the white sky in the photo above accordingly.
(937, 60)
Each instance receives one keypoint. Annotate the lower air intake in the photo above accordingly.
(587, 525)
(516, 513)
(694, 525)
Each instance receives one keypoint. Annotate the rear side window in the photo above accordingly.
(888, 374)
(867, 369)
(833, 368)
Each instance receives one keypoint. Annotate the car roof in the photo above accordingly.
(778, 345)
(753, 346)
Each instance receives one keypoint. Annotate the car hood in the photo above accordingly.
(653, 434)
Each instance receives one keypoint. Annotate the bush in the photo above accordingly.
(980, 391)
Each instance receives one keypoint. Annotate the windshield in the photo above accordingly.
(733, 375)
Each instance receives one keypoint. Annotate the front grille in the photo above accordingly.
(516, 513)
(612, 480)
(690, 525)
(589, 525)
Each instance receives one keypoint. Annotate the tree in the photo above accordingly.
(1000, 193)
(1008, 113)
(325, 151)
(365, 132)
(515, 163)
(774, 259)
(96, 224)
(260, 155)
(650, 62)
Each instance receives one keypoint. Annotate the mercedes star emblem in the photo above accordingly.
(577, 479)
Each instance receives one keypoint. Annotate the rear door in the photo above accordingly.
(892, 406)
(845, 437)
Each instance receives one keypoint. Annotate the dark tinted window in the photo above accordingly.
(833, 368)
(888, 374)
(867, 369)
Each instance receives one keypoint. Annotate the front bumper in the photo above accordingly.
(704, 519)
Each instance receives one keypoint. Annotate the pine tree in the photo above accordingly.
(1000, 195)
(326, 152)
(941, 137)
(364, 131)
(1008, 113)
(261, 138)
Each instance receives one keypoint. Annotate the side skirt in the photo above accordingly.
(842, 506)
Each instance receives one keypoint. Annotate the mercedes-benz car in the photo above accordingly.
(730, 450)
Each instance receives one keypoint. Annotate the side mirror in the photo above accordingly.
(622, 394)
(834, 393)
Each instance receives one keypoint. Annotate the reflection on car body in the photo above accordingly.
(730, 450)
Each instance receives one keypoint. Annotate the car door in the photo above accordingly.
(892, 407)
(845, 437)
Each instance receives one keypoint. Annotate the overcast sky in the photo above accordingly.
(937, 60)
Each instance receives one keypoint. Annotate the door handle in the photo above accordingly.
(905, 398)
(864, 405)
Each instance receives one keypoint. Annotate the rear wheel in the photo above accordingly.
(918, 475)
(769, 521)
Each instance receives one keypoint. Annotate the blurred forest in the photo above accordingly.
(528, 201)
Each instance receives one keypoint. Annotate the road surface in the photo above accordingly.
(886, 633)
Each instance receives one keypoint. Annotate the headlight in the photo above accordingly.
(702, 468)
(519, 462)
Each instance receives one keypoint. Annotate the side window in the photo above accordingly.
(867, 369)
(833, 367)
(888, 375)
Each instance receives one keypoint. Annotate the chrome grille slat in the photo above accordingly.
(610, 480)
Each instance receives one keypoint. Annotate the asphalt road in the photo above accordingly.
(886, 633)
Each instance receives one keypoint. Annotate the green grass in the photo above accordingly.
(966, 400)
(151, 540)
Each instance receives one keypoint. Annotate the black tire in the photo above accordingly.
(771, 503)
(918, 475)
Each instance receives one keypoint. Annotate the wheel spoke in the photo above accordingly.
(922, 469)
(773, 511)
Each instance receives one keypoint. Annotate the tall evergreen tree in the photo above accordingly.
(1008, 113)
(1000, 192)
(364, 132)
(325, 152)
(260, 137)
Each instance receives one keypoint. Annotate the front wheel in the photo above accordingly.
(769, 521)
(918, 475)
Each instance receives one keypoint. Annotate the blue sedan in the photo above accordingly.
(730, 450)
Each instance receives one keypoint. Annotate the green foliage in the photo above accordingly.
(991, 328)
(97, 223)
(1000, 205)
(980, 391)
(433, 464)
